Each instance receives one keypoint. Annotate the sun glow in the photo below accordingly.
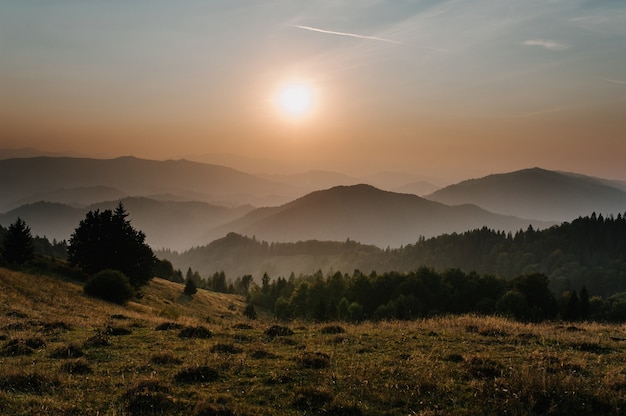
(295, 100)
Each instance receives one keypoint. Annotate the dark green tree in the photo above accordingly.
(249, 312)
(584, 303)
(18, 247)
(190, 287)
(217, 282)
(107, 240)
(572, 308)
(165, 270)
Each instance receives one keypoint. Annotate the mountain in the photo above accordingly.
(368, 215)
(237, 255)
(23, 178)
(536, 193)
(51, 219)
(177, 225)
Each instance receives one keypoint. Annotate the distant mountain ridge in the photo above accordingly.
(23, 178)
(368, 215)
(177, 225)
(536, 193)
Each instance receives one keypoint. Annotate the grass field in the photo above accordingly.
(62, 353)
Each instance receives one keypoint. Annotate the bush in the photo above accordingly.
(199, 332)
(149, 397)
(110, 285)
(196, 375)
(278, 331)
(250, 312)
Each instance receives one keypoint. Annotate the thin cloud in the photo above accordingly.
(552, 45)
(615, 81)
(353, 35)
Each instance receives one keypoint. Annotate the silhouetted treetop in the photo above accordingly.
(107, 240)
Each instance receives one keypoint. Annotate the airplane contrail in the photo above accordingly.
(353, 35)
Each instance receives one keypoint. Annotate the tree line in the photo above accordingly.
(424, 293)
(589, 251)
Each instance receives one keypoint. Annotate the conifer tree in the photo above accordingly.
(107, 240)
(18, 247)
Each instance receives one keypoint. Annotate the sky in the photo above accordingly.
(440, 88)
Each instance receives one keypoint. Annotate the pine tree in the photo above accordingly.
(106, 240)
(18, 247)
(190, 287)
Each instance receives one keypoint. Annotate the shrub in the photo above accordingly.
(165, 357)
(315, 360)
(332, 329)
(16, 348)
(201, 374)
(168, 326)
(101, 338)
(262, 354)
(226, 349)
(110, 285)
(22, 382)
(249, 312)
(311, 399)
(68, 351)
(278, 331)
(78, 366)
(206, 409)
(120, 331)
(242, 326)
(195, 332)
(148, 397)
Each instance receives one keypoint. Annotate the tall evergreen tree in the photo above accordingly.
(107, 240)
(18, 247)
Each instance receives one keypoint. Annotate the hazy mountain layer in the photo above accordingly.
(177, 225)
(537, 193)
(368, 215)
(27, 178)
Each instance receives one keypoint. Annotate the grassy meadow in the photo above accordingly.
(62, 353)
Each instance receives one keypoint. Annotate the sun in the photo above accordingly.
(295, 100)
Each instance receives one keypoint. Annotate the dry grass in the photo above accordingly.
(86, 356)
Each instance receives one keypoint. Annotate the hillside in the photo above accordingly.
(536, 193)
(62, 353)
(237, 256)
(39, 178)
(368, 215)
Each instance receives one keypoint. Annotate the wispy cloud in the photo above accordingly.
(615, 81)
(552, 45)
(353, 35)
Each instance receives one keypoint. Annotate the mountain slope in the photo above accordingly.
(536, 193)
(20, 179)
(368, 215)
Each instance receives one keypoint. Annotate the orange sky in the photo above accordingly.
(439, 88)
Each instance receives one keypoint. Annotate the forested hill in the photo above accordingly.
(588, 251)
